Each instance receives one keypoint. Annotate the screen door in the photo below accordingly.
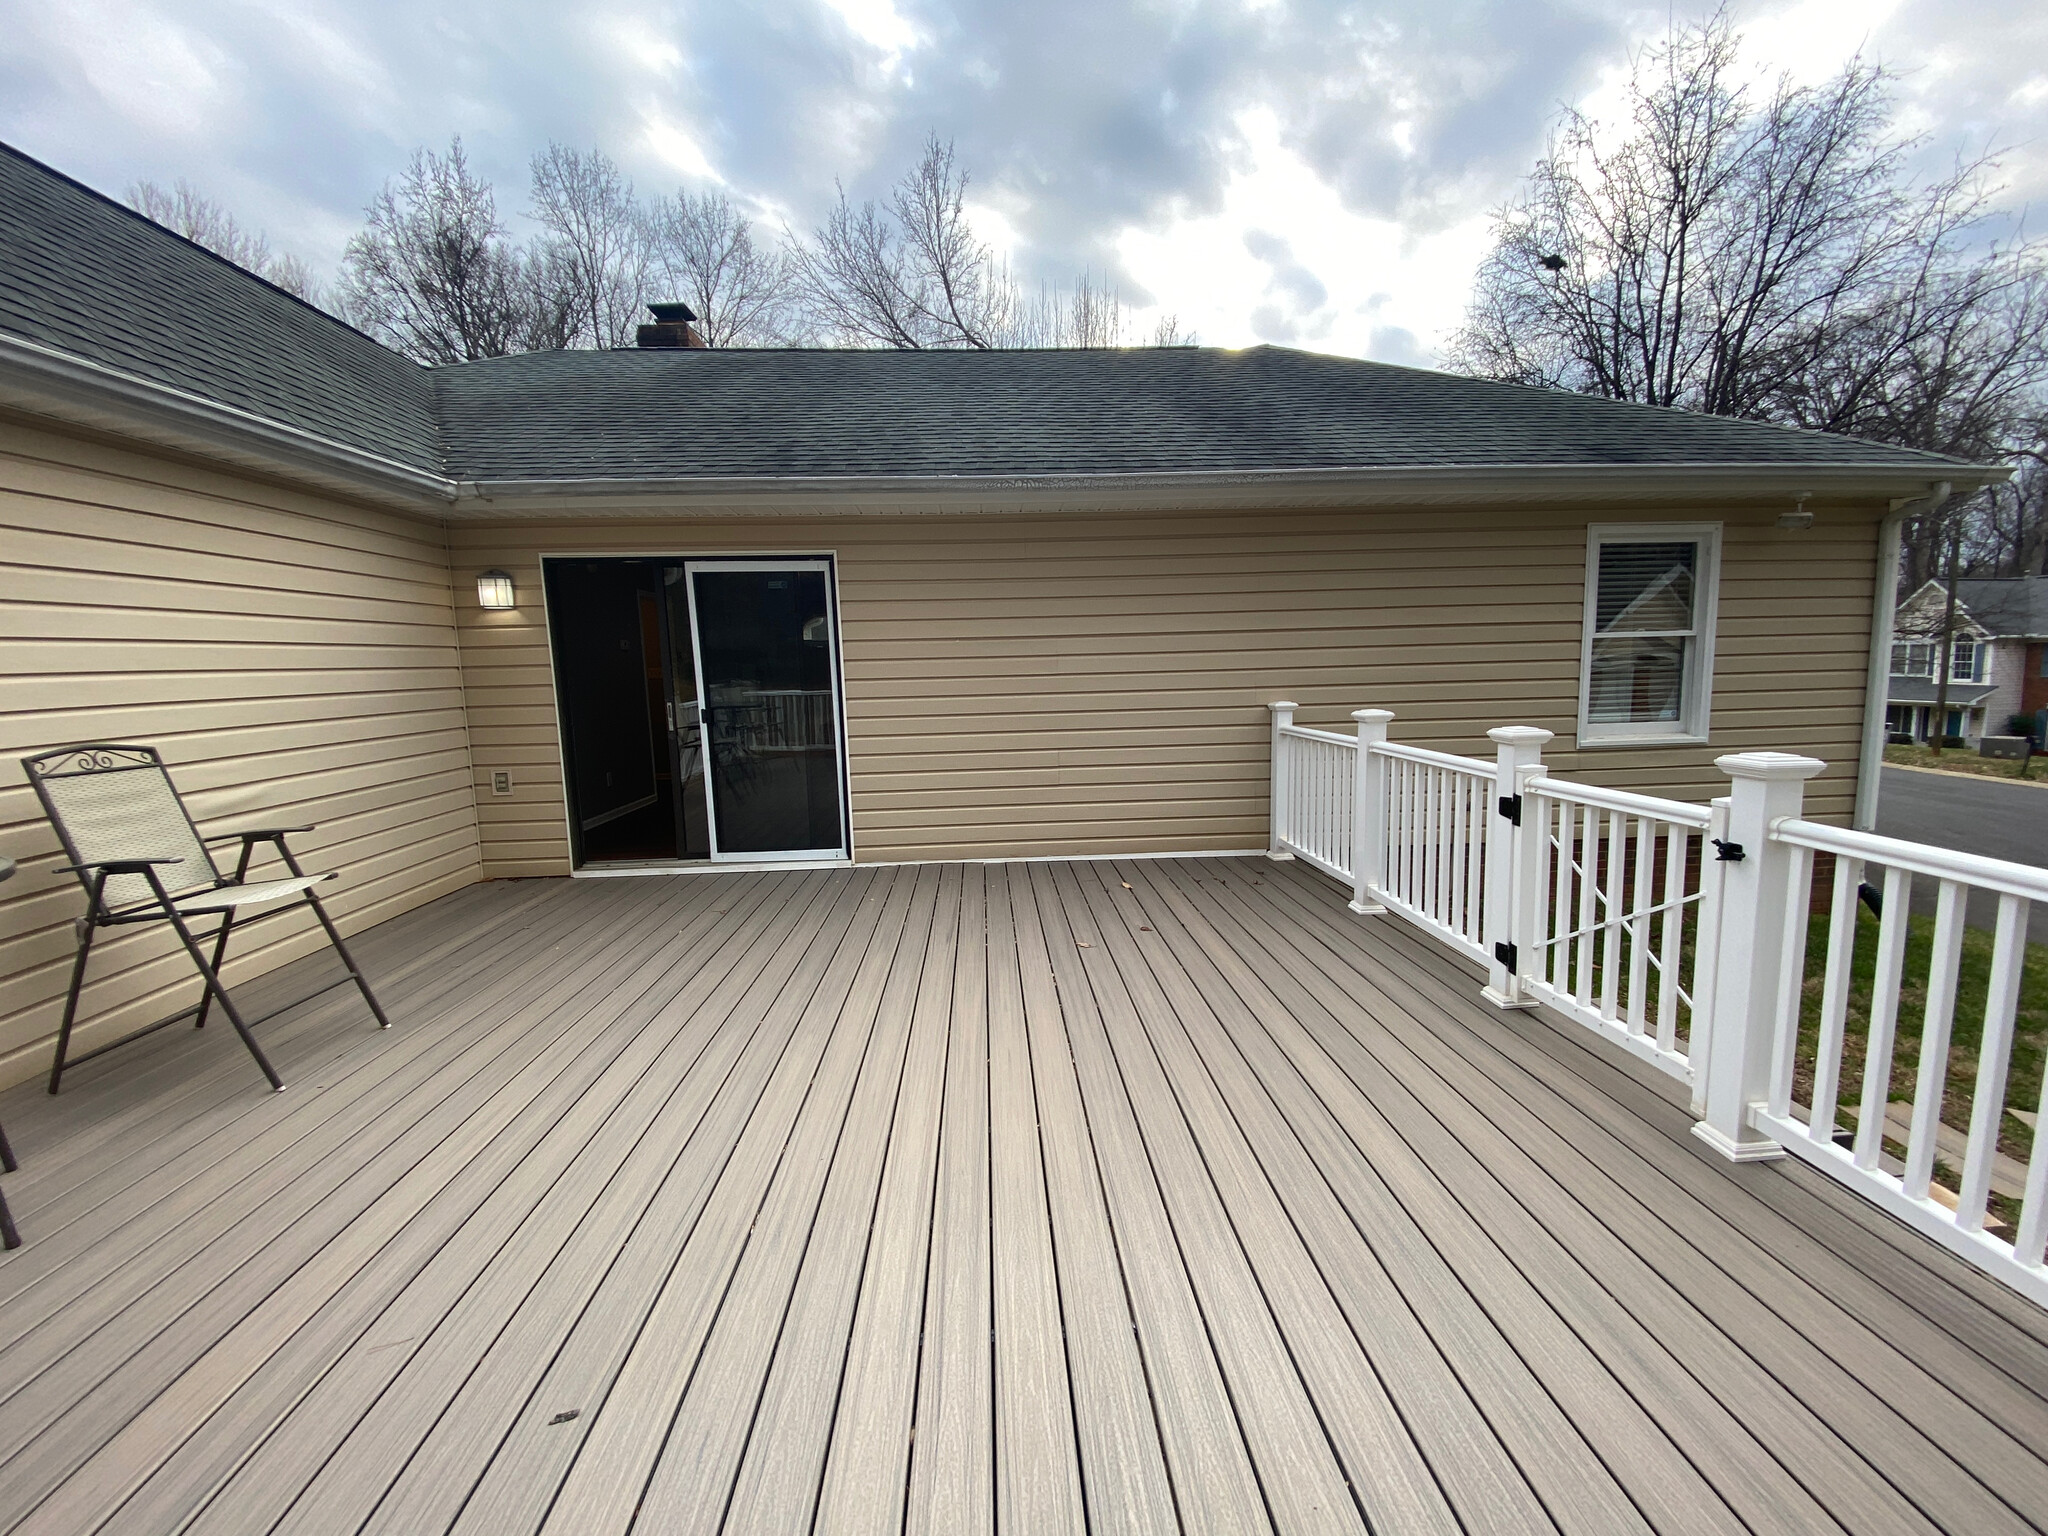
(769, 707)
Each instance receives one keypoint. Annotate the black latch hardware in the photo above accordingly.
(1504, 952)
(1726, 852)
(1511, 807)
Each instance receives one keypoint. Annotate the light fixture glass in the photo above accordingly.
(494, 590)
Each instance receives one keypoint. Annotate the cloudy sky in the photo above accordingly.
(1316, 173)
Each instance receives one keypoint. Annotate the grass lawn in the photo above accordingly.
(1963, 760)
(2030, 1030)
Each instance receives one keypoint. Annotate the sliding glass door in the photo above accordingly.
(699, 708)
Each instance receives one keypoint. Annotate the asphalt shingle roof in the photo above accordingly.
(2009, 605)
(1921, 690)
(81, 274)
(651, 414)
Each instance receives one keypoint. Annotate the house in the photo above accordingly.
(840, 1077)
(1025, 603)
(1999, 665)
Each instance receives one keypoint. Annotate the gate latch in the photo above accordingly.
(1726, 852)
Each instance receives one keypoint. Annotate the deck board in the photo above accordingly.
(1148, 1196)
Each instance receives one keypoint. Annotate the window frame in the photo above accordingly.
(1696, 689)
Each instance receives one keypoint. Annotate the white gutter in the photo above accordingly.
(1877, 682)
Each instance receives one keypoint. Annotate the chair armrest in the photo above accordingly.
(263, 835)
(114, 866)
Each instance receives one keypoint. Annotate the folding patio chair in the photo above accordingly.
(9, 1238)
(141, 860)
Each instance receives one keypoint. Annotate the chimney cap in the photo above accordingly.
(672, 314)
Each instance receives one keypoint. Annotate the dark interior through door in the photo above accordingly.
(626, 686)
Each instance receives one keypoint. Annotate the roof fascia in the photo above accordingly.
(46, 381)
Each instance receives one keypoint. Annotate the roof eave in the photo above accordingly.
(47, 381)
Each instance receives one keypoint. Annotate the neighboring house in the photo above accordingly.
(627, 611)
(1998, 668)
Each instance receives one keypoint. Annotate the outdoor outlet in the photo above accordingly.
(501, 782)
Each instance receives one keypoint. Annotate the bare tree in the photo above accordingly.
(911, 275)
(1768, 259)
(433, 274)
(597, 241)
(185, 210)
(740, 289)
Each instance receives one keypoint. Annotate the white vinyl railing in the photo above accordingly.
(1619, 886)
(1680, 933)
(1439, 814)
(1956, 1211)
(1315, 792)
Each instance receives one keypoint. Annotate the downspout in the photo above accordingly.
(1884, 603)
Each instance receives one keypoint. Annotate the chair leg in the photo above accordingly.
(9, 1238)
(220, 950)
(347, 959)
(227, 1003)
(71, 1003)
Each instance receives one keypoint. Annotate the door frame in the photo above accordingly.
(791, 855)
(775, 559)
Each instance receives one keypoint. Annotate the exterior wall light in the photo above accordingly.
(494, 590)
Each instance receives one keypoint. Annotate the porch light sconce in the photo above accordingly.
(494, 590)
(1798, 517)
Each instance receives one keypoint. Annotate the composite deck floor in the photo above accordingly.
(1142, 1196)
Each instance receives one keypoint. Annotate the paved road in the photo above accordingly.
(1998, 818)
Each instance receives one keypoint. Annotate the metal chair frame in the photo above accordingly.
(163, 904)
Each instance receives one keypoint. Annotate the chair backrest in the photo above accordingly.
(111, 802)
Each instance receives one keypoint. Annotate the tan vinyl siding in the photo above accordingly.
(293, 657)
(1046, 685)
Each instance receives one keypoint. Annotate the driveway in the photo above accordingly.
(2002, 819)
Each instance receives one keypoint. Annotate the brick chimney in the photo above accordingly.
(671, 328)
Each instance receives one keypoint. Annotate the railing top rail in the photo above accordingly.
(1683, 812)
(1307, 734)
(1478, 767)
(2010, 879)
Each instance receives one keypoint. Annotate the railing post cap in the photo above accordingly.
(1372, 716)
(1773, 767)
(1520, 735)
(1283, 704)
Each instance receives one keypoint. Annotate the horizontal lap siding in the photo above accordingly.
(295, 660)
(1051, 685)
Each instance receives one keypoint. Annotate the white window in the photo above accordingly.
(1648, 663)
(1913, 658)
(1964, 661)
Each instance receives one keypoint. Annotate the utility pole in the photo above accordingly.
(1948, 645)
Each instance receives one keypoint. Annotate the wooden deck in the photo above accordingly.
(1146, 1196)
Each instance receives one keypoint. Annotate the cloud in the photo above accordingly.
(1318, 169)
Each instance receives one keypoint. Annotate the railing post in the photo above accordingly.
(1369, 811)
(1283, 716)
(1511, 866)
(1768, 787)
